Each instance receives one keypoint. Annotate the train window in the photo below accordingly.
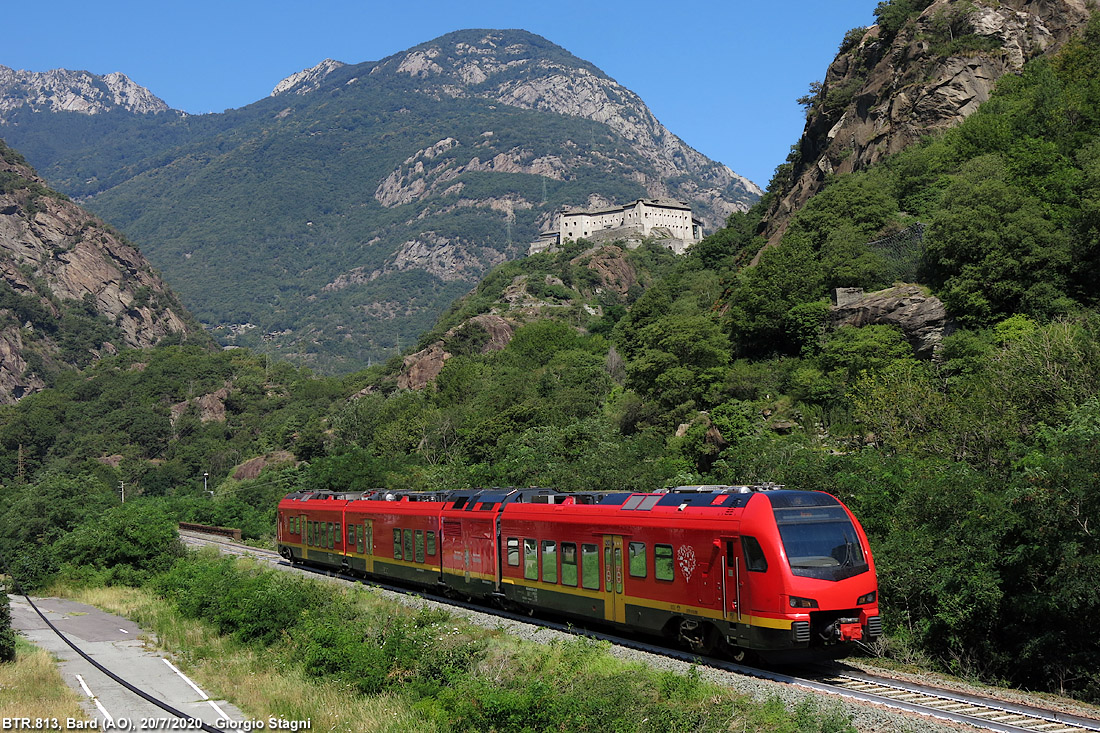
(530, 560)
(333, 535)
(326, 539)
(420, 545)
(633, 502)
(351, 535)
(663, 567)
(513, 551)
(648, 503)
(431, 542)
(409, 544)
(359, 538)
(549, 561)
(590, 567)
(309, 533)
(754, 555)
(368, 540)
(487, 506)
(568, 563)
(636, 553)
(397, 544)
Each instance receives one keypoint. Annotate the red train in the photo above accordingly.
(785, 574)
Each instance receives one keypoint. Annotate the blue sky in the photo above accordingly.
(723, 76)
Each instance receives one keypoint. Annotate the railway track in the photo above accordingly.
(982, 712)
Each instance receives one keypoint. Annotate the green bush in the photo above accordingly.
(7, 633)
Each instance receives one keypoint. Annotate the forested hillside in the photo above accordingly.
(974, 473)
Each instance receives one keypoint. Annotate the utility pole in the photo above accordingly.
(204, 477)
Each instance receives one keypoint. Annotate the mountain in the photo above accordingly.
(333, 221)
(924, 67)
(61, 90)
(72, 289)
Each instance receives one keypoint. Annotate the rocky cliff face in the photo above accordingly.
(516, 70)
(306, 81)
(61, 90)
(53, 253)
(884, 93)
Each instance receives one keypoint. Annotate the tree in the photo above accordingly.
(681, 360)
(7, 633)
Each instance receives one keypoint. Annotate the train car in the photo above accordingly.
(395, 535)
(783, 574)
(310, 528)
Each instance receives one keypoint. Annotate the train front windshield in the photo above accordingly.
(820, 542)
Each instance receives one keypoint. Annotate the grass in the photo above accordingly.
(510, 685)
(31, 687)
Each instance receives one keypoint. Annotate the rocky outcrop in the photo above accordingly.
(252, 468)
(921, 317)
(421, 368)
(53, 251)
(210, 407)
(304, 82)
(61, 90)
(612, 269)
(419, 176)
(882, 94)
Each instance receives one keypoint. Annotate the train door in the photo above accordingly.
(365, 544)
(736, 588)
(303, 521)
(614, 605)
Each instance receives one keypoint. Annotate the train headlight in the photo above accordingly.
(797, 602)
(869, 598)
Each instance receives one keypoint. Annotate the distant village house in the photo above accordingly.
(671, 222)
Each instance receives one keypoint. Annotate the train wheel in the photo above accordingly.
(737, 654)
(698, 636)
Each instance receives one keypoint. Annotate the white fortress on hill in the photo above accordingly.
(670, 221)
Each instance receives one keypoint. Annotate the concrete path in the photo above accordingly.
(115, 643)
